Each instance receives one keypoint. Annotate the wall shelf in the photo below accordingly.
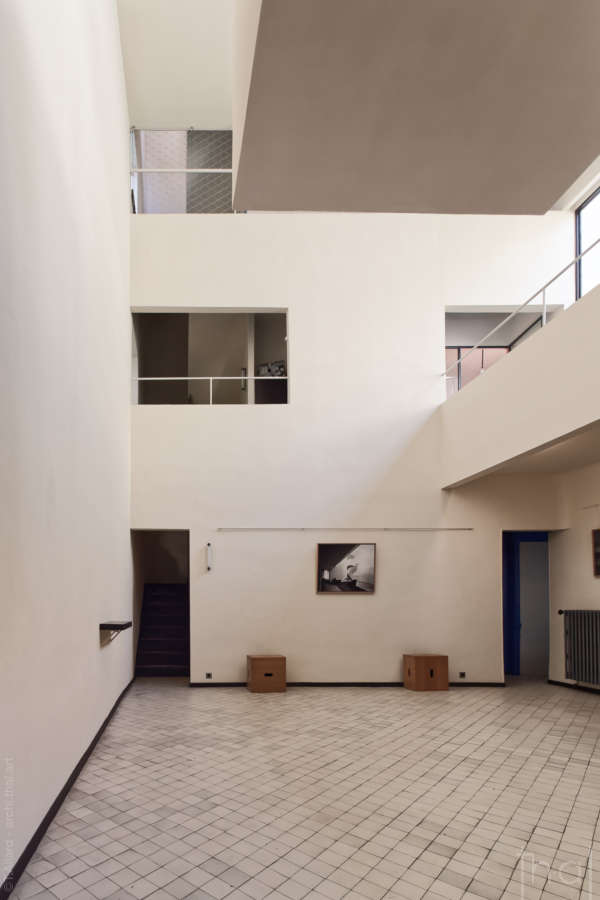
(115, 626)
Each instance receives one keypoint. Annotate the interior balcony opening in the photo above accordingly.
(185, 171)
(467, 355)
(207, 358)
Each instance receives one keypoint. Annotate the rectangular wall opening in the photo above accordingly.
(464, 330)
(161, 565)
(181, 171)
(210, 358)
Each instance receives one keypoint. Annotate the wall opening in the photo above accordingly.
(464, 330)
(181, 171)
(210, 358)
(161, 565)
(526, 605)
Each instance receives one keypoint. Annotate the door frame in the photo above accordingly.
(511, 595)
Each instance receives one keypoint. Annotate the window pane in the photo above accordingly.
(161, 192)
(492, 355)
(470, 367)
(589, 229)
(208, 193)
(181, 192)
(208, 150)
(161, 149)
(452, 376)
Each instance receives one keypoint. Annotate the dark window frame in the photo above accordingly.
(578, 248)
(460, 347)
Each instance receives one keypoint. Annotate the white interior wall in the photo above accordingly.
(65, 348)
(356, 447)
(178, 62)
(503, 260)
(572, 581)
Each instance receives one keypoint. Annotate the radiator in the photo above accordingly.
(582, 645)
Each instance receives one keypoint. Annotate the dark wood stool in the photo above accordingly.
(265, 674)
(425, 672)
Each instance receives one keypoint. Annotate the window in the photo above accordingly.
(181, 171)
(470, 365)
(465, 330)
(210, 358)
(587, 231)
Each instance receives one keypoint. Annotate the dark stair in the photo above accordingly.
(164, 641)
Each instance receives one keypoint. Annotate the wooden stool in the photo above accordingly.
(265, 674)
(424, 672)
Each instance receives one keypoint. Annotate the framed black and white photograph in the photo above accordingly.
(345, 568)
(596, 551)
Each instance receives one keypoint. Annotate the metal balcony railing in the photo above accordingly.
(541, 292)
(180, 171)
(247, 388)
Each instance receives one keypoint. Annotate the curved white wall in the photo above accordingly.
(65, 349)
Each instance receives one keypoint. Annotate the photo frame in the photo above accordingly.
(346, 568)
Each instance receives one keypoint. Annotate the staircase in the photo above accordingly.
(164, 641)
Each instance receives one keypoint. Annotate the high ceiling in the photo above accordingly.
(450, 106)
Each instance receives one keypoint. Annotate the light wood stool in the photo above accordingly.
(425, 672)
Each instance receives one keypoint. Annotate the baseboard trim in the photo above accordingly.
(575, 687)
(217, 684)
(162, 672)
(21, 864)
(345, 684)
(373, 684)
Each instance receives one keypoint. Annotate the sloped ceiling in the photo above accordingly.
(447, 106)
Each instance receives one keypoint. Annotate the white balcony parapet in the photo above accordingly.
(545, 392)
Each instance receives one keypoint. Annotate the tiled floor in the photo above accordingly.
(361, 793)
